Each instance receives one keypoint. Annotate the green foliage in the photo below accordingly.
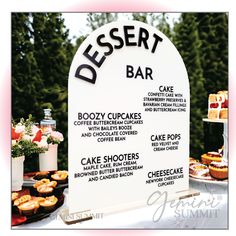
(213, 33)
(17, 151)
(26, 148)
(41, 58)
(160, 21)
(96, 20)
(164, 26)
(143, 17)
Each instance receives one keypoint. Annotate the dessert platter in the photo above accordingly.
(41, 194)
(211, 169)
(213, 166)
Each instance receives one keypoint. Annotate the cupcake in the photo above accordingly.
(48, 204)
(61, 176)
(219, 170)
(41, 175)
(45, 190)
(211, 156)
(29, 208)
(198, 169)
(22, 199)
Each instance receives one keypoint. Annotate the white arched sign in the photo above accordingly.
(128, 118)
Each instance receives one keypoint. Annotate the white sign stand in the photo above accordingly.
(128, 120)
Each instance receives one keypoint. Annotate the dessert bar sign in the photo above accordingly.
(128, 118)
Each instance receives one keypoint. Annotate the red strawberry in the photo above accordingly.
(214, 105)
(224, 104)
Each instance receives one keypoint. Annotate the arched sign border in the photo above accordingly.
(127, 71)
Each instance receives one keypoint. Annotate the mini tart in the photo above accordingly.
(28, 208)
(60, 176)
(14, 196)
(192, 160)
(41, 182)
(49, 203)
(198, 169)
(41, 175)
(211, 156)
(45, 190)
(22, 199)
(219, 170)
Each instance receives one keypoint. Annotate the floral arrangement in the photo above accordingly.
(54, 137)
(28, 139)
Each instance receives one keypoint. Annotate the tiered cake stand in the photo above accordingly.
(225, 155)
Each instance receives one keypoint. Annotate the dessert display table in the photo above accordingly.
(225, 133)
(208, 210)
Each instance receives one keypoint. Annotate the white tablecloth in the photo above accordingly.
(209, 210)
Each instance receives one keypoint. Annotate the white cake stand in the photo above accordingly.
(225, 134)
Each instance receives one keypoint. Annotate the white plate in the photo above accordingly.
(215, 120)
(201, 180)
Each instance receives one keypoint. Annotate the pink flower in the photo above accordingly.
(57, 136)
(35, 129)
(43, 143)
(19, 128)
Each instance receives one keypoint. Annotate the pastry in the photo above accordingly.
(207, 158)
(60, 176)
(219, 170)
(218, 105)
(41, 175)
(199, 170)
(45, 190)
(48, 203)
(192, 160)
(22, 199)
(41, 182)
(29, 208)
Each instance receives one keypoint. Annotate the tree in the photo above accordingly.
(26, 78)
(54, 53)
(140, 17)
(187, 41)
(213, 33)
(157, 20)
(40, 69)
(96, 20)
(160, 21)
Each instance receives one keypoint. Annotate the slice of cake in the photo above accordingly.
(218, 105)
